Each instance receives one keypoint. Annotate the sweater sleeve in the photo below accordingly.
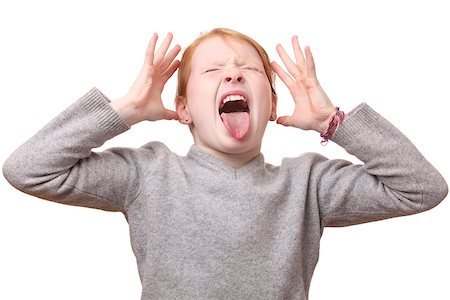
(57, 163)
(394, 180)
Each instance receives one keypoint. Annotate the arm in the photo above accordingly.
(57, 163)
(395, 179)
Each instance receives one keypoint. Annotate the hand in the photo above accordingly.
(143, 100)
(313, 108)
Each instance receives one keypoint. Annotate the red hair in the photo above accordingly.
(224, 33)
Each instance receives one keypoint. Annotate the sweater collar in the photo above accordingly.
(210, 161)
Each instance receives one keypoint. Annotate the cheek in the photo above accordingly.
(201, 95)
(201, 106)
(264, 99)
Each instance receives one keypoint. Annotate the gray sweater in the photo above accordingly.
(201, 229)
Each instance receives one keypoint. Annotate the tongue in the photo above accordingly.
(237, 123)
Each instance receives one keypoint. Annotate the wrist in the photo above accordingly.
(123, 108)
(322, 127)
(332, 125)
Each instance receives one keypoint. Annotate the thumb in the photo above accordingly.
(170, 115)
(285, 121)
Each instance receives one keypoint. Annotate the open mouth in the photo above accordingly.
(235, 115)
(233, 103)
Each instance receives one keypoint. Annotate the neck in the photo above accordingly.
(235, 160)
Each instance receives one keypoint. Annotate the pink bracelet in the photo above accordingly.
(333, 126)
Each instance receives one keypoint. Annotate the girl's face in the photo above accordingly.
(228, 97)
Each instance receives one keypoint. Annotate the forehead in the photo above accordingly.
(219, 51)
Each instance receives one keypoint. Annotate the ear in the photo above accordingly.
(273, 112)
(182, 110)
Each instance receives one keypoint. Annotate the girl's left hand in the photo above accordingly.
(313, 108)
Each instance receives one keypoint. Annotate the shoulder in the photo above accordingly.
(306, 159)
(297, 167)
(312, 164)
(150, 153)
(156, 148)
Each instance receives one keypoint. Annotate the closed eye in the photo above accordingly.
(253, 69)
(210, 70)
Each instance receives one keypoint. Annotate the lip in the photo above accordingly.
(232, 92)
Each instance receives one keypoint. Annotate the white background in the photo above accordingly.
(392, 54)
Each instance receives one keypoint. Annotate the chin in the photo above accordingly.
(222, 141)
(239, 146)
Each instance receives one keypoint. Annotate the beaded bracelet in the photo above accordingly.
(333, 126)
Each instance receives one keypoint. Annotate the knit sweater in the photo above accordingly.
(201, 229)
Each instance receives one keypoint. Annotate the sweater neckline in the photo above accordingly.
(210, 161)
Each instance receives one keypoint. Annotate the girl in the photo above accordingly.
(220, 222)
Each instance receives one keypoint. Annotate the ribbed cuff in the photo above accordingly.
(97, 104)
(360, 122)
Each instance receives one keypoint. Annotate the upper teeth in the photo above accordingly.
(233, 98)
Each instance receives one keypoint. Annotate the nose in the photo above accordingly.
(234, 76)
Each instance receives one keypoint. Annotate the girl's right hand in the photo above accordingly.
(143, 100)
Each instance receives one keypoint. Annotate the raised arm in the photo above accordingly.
(395, 179)
(58, 163)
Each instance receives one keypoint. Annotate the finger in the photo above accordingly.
(163, 49)
(285, 121)
(284, 76)
(287, 61)
(299, 57)
(170, 70)
(170, 57)
(151, 49)
(170, 115)
(310, 63)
